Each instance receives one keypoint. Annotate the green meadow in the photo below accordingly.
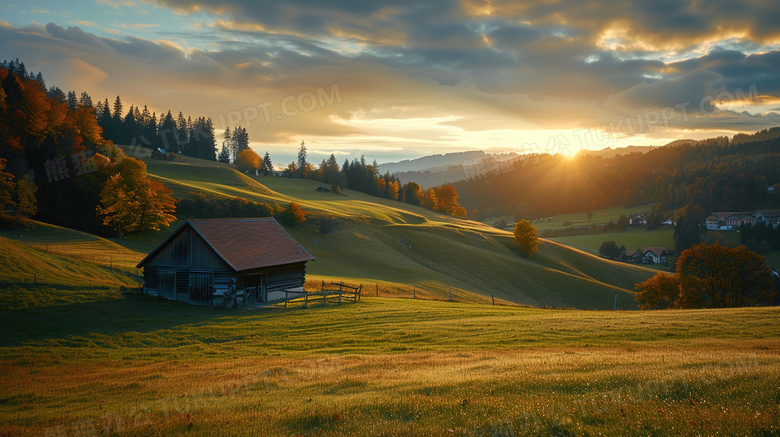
(140, 366)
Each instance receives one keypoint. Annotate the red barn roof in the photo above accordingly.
(245, 244)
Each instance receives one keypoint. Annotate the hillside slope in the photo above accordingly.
(44, 274)
(384, 241)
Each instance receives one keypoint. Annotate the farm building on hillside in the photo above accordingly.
(207, 258)
(655, 255)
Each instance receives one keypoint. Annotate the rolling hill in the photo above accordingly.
(401, 246)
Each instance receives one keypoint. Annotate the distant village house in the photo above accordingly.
(728, 221)
(655, 255)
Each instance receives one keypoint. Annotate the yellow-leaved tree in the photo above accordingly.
(131, 202)
(526, 238)
(248, 160)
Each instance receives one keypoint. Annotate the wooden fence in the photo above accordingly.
(250, 297)
(344, 292)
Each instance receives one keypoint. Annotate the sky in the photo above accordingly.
(399, 79)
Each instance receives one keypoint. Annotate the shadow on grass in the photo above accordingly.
(124, 313)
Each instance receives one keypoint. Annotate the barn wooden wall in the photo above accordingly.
(187, 249)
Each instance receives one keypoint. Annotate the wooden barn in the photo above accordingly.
(204, 258)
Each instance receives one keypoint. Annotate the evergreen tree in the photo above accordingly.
(150, 131)
(117, 125)
(208, 149)
(85, 100)
(301, 163)
(224, 155)
(167, 132)
(127, 127)
(39, 79)
(240, 140)
(181, 135)
(72, 100)
(105, 121)
(227, 146)
(56, 94)
(267, 166)
(690, 228)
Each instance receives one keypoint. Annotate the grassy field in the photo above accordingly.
(79, 357)
(139, 366)
(632, 239)
(578, 218)
(48, 265)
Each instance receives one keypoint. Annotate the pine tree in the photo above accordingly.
(72, 100)
(85, 100)
(167, 131)
(209, 149)
(129, 126)
(227, 146)
(240, 140)
(105, 121)
(118, 107)
(151, 131)
(39, 79)
(224, 155)
(56, 94)
(181, 135)
(267, 167)
(302, 164)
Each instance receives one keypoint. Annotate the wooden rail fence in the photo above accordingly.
(344, 292)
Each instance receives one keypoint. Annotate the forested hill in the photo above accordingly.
(728, 177)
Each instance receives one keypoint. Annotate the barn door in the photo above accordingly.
(201, 288)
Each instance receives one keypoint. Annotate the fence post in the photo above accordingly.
(305, 299)
(324, 298)
(377, 290)
(414, 293)
(323, 286)
(450, 294)
(285, 298)
(492, 298)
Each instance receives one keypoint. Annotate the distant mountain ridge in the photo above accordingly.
(432, 163)
(433, 170)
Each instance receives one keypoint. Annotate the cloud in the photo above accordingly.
(86, 23)
(134, 26)
(437, 74)
(82, 74)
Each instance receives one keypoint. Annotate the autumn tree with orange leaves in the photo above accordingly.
(248, 160)
(710, 276)
(718, 277)
(659, 292)
(131, 202)
(292, 215)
